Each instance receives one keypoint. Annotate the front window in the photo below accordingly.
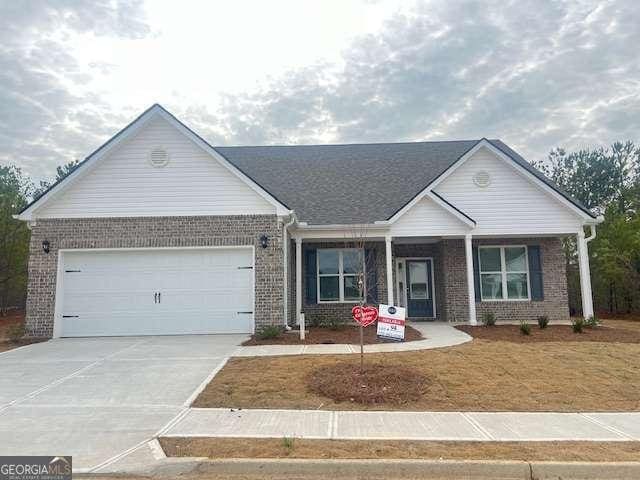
(504, 273)
(338, 272)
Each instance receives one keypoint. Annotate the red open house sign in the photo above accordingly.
(365, 316)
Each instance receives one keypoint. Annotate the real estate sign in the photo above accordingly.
(391, 322)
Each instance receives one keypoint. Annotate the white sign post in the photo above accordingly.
(391, 322)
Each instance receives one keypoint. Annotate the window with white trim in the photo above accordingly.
(504, 273)
(338, 271)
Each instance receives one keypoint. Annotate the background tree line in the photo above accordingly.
(605, 180)
(16, 191)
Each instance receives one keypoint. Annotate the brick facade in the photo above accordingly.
(154, 232)
(448, 263)
(554, 282)
(318, 312)
(450, 275)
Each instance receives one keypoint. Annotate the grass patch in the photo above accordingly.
(379, 383)
(344, 449)
(483, 375)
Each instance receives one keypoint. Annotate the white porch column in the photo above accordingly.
(585, 275)
(468, 250)
(298, 279)
(387, 242)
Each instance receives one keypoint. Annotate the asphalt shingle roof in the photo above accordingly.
(357, 183)
(342, 184)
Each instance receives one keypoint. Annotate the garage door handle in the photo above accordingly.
(159, 297)
(155, 297)
(245, 313)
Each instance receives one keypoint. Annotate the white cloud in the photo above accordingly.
(537, 75)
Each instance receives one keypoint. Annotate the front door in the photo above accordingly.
(419, 288)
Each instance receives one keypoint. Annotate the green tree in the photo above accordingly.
(61, 172)
(605, 180)
(597, 177)
(15, 190)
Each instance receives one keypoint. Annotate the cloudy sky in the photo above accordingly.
(535, 74)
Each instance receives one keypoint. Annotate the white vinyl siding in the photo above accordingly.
(427, 218)
(338, 271)
(504, 272)
(126, 184)
(510, 204)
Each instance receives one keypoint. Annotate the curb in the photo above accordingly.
(389, 468)
(585, 470)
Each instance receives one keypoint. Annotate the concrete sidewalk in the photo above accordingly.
(437, 335)
(439, 426)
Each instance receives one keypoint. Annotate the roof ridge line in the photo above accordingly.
(349, 144)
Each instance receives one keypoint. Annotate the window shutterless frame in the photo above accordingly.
(503, 273)
(341, 275)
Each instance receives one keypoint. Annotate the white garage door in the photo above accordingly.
(156, 292)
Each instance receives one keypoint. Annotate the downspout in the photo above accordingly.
(592, 235)
(285, 254)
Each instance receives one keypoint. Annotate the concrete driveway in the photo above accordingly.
(97, 398)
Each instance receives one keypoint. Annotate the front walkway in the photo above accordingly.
(436, 426)
(437, 335)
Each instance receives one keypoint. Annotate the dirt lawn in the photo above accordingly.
(623, 333)
(342, 449)
(13, 317)
(483, 375)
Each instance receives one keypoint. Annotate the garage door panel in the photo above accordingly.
(202, 291)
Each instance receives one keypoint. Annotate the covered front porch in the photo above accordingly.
(440, 278)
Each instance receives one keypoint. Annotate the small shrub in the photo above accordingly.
(266, 333)
(525, 328)
(332, 323)
(543, 321)
(592, 321)
(288, 442)
(577, 324)
(314, 321)
(15, 332)
(489, 319)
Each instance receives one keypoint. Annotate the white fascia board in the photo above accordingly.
(429, 187)
(427, 193)
(280, 208)
(88, 164)
(456, 213)
(518, 168)
(339, 231)
(340, 226)
(539, 183)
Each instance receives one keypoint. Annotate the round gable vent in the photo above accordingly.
(482, 179)
(158, 157)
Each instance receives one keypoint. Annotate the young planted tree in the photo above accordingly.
(361, 270)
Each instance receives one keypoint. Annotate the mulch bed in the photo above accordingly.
(553, 333)
(321, 335)
(376, 384)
